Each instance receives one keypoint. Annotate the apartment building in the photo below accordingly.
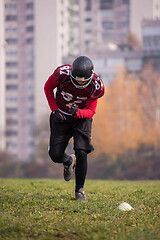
(103, 22)
(140, 10)
(19, 77)
(31, 47)
(151, 41)
(111, 21)
(2, 81)
(107, 23)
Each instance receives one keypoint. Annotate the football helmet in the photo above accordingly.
(81, 72)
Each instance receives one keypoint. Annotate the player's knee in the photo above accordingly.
(55, 156)
(81, 154)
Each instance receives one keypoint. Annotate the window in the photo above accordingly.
(119, 24)
(30, 17)
(30, 122)
(30, 75)
(29, 40)
(106, 4)
(125, 12)
(11, 99)
(107, 36)
(11, 110)
(11, 76)
(31, 98)
(11, 53)
(11, 40)
(31, 144)
(11, 18)
(126, 1)
(11, 64)
(125, 24)
(10, 6)
(11, 121)
(29, 5)
(11, 29)
(30, 64)
(30, 29)
(88, 5)
(11, 133)
(107, 25)
(88, 19)
(31, 110)
(88, 31)
(11, 87)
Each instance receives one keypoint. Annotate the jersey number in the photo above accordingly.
(64, 70)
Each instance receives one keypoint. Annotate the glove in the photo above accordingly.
(58, 116)
(74, 110)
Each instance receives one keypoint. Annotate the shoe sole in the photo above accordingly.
(73, 166)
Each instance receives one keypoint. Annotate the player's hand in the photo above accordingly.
(58, 116)
(74, 110)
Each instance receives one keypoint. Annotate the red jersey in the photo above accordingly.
(67, 94)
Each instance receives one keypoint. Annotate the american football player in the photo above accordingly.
(72, 108)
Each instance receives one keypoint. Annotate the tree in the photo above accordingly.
(133, 41)
(149, 95)
(119, 124)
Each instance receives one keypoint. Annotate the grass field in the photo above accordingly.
(46, 209)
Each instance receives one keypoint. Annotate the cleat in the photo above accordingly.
(68, 170)
(80, 195)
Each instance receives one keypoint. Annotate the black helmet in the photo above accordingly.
(81, 72)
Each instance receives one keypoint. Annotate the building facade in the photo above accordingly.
(151, 42)
(103, 22)
(30, 48)
(140, 10)
(2, 81)
(19, 76)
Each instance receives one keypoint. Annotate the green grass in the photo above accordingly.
(46, 209)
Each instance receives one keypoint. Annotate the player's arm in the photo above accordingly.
(91, 103)
(49, 86)
(87, 112)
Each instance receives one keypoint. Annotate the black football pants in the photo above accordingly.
(80, 129)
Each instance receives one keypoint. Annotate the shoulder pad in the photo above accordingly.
(61, 73)
(98, 87)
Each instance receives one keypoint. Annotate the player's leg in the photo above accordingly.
(80, 172)
(60, 133)
(59, 138)
(57, 153)
(82, 146)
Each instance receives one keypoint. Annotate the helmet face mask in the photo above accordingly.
(81, 72)
(80, 82)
